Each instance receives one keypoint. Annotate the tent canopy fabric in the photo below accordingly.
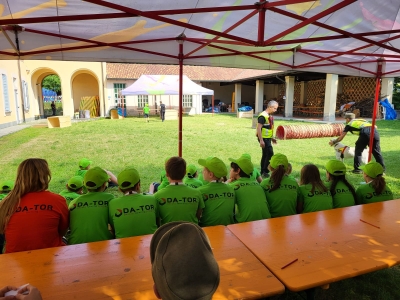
(349, 37)
(164, 85)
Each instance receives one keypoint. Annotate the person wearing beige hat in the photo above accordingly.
(251, 203)
(183, 265)
(361, 128)
(281, 190)
(375, 189)
(343, 193)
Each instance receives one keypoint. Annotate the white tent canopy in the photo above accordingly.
(349, 37)
(164, 85)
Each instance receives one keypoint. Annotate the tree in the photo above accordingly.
(396, 93)
(52, 82)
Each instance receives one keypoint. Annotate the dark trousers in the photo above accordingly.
(162, 114)
(1, 243)
(267, 153)
(363, 142)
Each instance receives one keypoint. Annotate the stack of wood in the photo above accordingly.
(366, 108)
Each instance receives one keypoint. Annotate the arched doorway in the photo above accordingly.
(85, 93)
(44, 99)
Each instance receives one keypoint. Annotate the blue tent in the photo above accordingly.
(49, 95)
(390, 112)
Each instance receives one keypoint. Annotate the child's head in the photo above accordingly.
(172, 246)
(84, 164)
(278, 161)
(33, 175)
(129, 180)
(75, 184)
(309, 174)
(191, 171)
(6, 186)
(241, 167)
(175, 167)
(214, 168)
(334, 168)
(373, 172)
(96, 179)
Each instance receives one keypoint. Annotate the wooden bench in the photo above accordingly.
(58, 121)
(326, 246)
(121, 269)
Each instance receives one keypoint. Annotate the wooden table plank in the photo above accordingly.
(330, 245)
(120, 269)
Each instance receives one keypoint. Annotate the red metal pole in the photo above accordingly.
(377, 91)
(180, 95)
(261, 26)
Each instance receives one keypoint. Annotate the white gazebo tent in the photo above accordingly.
(164, 85)
(167, 85)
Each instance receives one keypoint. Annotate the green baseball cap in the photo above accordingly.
(191, 170)
(75, 182)
(244, 164)
(246, 155)
(372, 169)
(279, 160)
(84, 163)
(128, 178)
(95, 178)
(215, 165)
(335, 167)
(7, 185)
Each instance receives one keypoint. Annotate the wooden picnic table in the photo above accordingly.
(121, 269)
(329, 246)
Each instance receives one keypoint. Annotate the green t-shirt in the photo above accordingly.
(366, 194)
(251, 204)
(178, 203)
(133, 215)
(316, 201)
(146, 109)
(88, 218)
(69, 196)
(255, 174)
(343, 196)
(283, 201)
(201, 178)
(192, 182)
(81, 173)
(219, 201)
(164, 181)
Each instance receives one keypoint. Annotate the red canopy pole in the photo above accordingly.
(180, 41)
(377, 92)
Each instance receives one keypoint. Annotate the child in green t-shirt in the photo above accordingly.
(280, 189)
(132, 214)
(376, 189)
(146, 112)
(313, 194)
(219, 198)
(191, 177)
(343, 193)
(255, 175)
(74, 189)
(5, 188)
(89, 213)
(84, 166)
(251, 204)
(178, 202)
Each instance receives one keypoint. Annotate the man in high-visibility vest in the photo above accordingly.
(265, 131)
(361, 128)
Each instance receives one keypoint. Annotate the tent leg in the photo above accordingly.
(180, 96)
(377, 90)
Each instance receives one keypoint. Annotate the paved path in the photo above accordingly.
(12, 129)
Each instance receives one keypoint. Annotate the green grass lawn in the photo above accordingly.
(116, 144)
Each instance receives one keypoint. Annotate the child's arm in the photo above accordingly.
(113, 178)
